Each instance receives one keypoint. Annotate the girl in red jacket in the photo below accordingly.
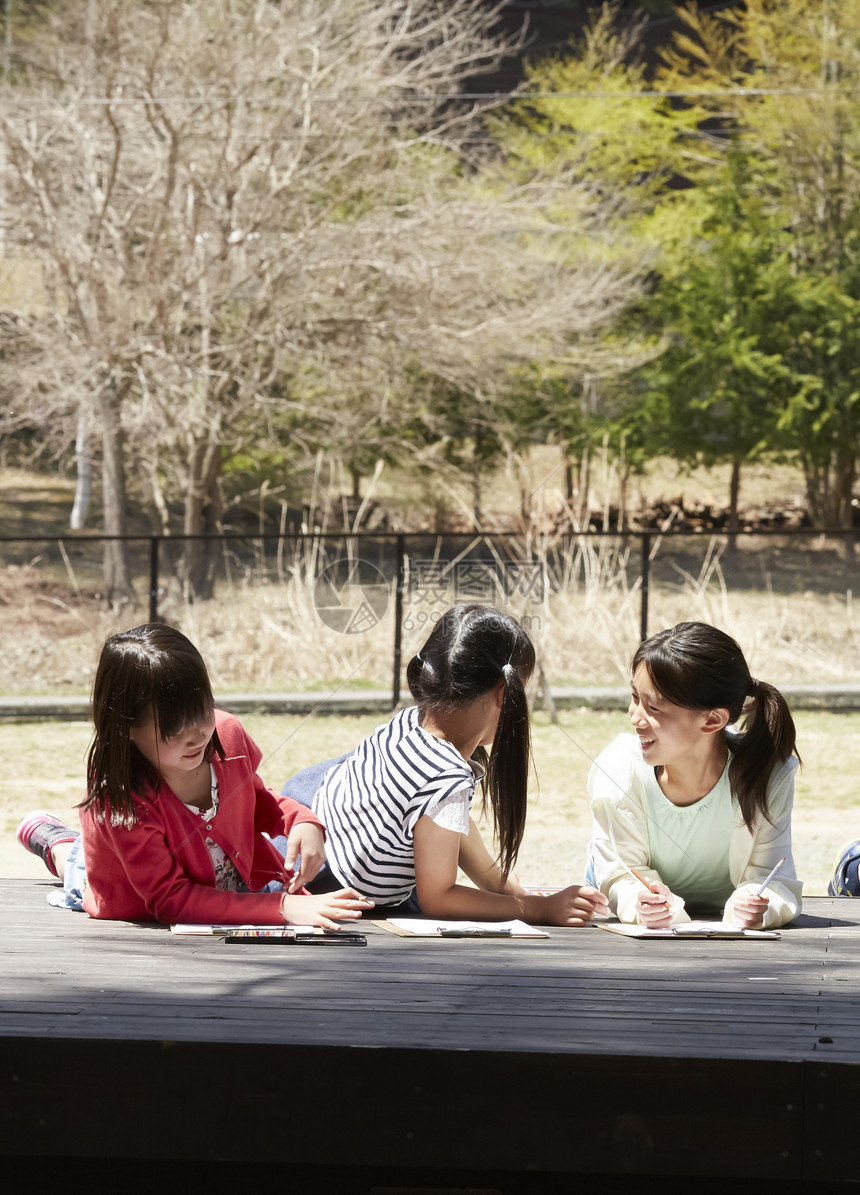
(176, 825)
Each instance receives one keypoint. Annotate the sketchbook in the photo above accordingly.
(431, 927)
(691, 929)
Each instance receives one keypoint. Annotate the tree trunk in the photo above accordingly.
(477, 489)
(83, 469)
(830, 490)
(846, 475)
(584, 513)
(202, 516)
(815, 499)
(623, 485)
(734, 496)
(568, 476)
(117, 571)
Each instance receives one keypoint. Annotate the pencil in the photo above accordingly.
(642, 880)
(773, 872)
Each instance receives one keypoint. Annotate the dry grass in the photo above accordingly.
(794, 618)
(791, 609)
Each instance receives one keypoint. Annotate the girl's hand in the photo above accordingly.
(575, 905)
(655, 909)
(346, 904)
(308, 841)
(748, 910)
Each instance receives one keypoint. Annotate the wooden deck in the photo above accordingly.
(584, 1059)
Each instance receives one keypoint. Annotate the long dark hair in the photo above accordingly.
(151, 668)
(699, 667)
(471, 649)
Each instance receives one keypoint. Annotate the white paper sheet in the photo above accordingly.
(431, 927)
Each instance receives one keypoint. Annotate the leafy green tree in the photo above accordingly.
(741, 177)
(630, 155)
(720, 389)
(821, 419)
(782, 79)
(623, 160)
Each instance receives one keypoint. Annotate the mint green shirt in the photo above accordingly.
(689, 844)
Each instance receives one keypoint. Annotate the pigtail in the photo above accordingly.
(768, 737)
(415, 676)
(506, 782)
(470, 649)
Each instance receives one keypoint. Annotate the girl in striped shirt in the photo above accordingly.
(397, 810)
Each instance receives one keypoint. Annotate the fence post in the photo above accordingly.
(153, 578)
(646, 571)
(398, 617)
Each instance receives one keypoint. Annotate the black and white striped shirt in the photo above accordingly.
(370, 803)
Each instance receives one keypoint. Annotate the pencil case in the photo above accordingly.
(280, 937)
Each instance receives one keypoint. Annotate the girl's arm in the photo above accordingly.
(480, 866)
(781, 901)
(437, 857)
(159, 869)
(619, 840)
(616, 842)
(138, 873)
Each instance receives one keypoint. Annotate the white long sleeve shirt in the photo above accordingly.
(620, 837)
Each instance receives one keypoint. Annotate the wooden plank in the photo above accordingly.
(582, 1053)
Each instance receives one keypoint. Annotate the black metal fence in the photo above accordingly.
(610, 587)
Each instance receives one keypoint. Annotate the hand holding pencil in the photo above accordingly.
(749, 908)
(655, 905)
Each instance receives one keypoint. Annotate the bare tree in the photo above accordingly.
(231, 197)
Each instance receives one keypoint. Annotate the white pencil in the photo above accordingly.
(765, 883)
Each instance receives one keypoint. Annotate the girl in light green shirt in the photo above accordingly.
(702, 811)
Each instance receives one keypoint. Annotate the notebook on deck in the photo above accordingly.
(691, 929)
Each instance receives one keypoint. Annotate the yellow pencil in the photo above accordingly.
(642, 880)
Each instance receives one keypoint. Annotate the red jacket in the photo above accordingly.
(159, 869)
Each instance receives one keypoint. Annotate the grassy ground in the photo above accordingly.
(44, 769)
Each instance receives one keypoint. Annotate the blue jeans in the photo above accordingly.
(71, 895)
(302, 787)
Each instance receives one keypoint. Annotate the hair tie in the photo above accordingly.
(418, 657)
(507, 670)
(753, 686)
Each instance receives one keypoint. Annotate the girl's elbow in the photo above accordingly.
(166, 913)
(434, 902)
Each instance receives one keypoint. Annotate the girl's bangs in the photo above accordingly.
(182, 704)
(666, 677)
